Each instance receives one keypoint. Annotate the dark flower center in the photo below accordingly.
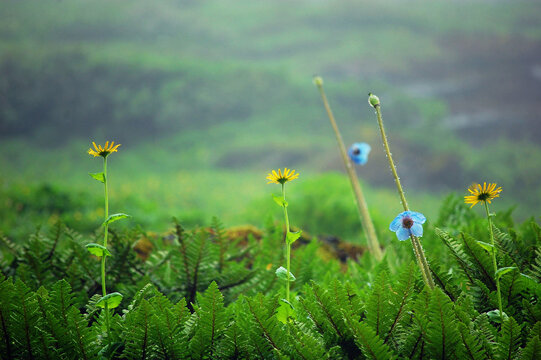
(356, 151)
(483, 196)
(407, 222)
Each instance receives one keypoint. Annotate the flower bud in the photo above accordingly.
(318, 81)
(373, 100)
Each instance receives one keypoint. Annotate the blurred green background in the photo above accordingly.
(207, 96)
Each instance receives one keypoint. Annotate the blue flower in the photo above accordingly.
(358, 153)
(408, 223)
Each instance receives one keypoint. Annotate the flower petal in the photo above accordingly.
(417, 229)
(396, 223)
(403, 234)
(417, 217)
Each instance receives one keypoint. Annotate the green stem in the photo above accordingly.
(366, 220)
(489, 218)
(288, 245)
(106, 231)
(417, 248)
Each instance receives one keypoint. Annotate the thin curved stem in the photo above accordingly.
(417, 248)
(366, 220)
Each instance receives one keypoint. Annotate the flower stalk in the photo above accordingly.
(105, 234)
(416, 244)
(494, 263)
(288, 244)
(366, 221)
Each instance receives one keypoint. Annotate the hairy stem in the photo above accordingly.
(417, 248)
(366, 220)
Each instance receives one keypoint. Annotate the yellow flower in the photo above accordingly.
(279, 178)
(103, 151)
(482, 193)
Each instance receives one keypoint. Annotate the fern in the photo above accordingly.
(263, 332)
(532, 351)
(6, 299)
(25, 321)
(441, 333)
(139, 344)
(457, 252)
(400, 302)
(480, 259)
(472, 345)
(509, 340)
(211, 321)
(371, 345)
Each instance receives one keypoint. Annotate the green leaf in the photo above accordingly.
(285, 311)
(98, 176)
(488, 247)
(494, 316)
(281, 272)
(291, 237)
(112, 299)
(279, 200)
(502, 271)
(115, 217)
(97, 249)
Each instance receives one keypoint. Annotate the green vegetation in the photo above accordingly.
(206, 294)
(206, 97)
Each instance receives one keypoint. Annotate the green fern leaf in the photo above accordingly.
(139, 344)
(532, 351)
(472, 345)
(371, 345)
(211, 322)
(509, 340)
(442, 334)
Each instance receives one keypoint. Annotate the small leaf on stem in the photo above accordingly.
(279, 200)
(98, 176)
(97, 249)
(281, 273)
(115, 217)
(112, 300)
(291, 237)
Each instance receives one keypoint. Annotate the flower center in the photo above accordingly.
(356, 151)
(407, 222)
(483, 196)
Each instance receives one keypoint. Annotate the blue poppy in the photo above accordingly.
(358, 153)
(408, 223)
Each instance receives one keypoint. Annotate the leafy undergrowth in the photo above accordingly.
(212, 293)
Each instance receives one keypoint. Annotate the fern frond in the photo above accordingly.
(139, 344)
(442, 334)
(509, 340)
(6, 307)
(25, 321)
(167, 325)
(377, 315)
(371, 345)
(472, 345)
(81, 334)
(211, 322)
(532, 351)
(263, 332)
(400, 302)
(480, 260)
(457, 252)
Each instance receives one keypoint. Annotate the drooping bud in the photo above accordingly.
(373, 100)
